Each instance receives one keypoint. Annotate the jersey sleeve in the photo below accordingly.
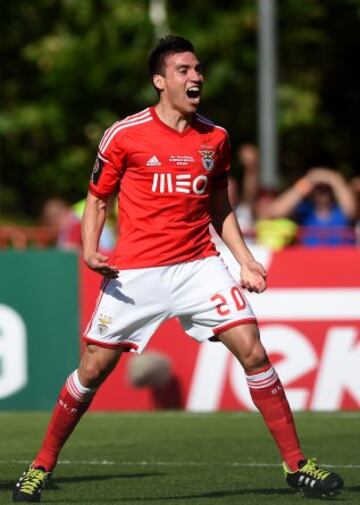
(220, 175)
(109, 165)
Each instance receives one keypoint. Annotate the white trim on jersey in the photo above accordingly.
(102, 157)
(128, 119)
(121, 126)
(207, 121)
(132, 116)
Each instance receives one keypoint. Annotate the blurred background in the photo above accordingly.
(285, 84)
(71, 68)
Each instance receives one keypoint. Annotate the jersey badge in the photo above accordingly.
(98, 166)
(207, 158)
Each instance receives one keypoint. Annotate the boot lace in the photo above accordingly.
(310, 468)
(33, 479)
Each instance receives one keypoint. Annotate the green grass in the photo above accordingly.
(177, 458)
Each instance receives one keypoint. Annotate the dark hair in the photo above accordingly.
(169, 44)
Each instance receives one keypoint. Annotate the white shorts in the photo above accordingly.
(201, 294)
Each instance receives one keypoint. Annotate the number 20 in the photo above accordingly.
(237, 298)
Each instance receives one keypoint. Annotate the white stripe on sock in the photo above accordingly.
(77, 390)
(262, 379)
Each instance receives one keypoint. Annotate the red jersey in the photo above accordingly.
(163, 178)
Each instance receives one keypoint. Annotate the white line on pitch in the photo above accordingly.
(168, 463)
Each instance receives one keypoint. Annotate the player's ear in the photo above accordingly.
(158, 81)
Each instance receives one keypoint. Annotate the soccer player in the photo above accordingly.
(169, 166)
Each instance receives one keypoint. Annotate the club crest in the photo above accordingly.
(104, 322)
(207, 158)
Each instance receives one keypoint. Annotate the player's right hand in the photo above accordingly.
(253, 276)
(99, 263)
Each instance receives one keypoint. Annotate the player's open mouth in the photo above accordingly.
(193, 93)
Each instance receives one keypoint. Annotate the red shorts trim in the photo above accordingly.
(128, 345)
(225, 327)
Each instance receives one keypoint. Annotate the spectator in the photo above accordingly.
(251, 204)
(242, 192)
(65, 220)
(355, 186)
(57, 214)
(107, 238)
(242, 210)
(323, 204)
(274, 233)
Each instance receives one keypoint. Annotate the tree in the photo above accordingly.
(73, 67)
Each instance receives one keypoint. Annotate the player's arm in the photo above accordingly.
(253, 274)
(107, 172)
(285, 204)
(92, 224)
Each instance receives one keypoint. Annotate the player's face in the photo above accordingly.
(182, 83)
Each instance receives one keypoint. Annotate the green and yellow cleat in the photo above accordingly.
(29, 486)
(313, 481)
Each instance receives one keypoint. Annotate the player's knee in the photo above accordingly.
(96, 364)
(89, 374)
(93, 372)
(256, 358)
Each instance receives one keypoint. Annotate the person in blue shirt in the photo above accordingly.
(324, 206)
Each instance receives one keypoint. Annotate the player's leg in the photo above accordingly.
(128, 312)
(73, 401)
(269, 397)
(265, 388)
(211, 305)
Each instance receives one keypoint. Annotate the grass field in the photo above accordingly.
(178, 458)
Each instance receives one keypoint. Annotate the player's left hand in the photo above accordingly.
(253, 276)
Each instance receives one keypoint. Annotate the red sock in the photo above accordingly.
(73, 401)
(269, 397)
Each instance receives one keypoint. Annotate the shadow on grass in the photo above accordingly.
(226, 493)
(54, 483)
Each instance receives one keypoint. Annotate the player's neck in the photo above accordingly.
(173, 118)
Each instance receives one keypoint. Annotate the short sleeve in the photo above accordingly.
(109, 165)
(223, 161)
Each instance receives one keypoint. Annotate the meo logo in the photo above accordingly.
(180, 183)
